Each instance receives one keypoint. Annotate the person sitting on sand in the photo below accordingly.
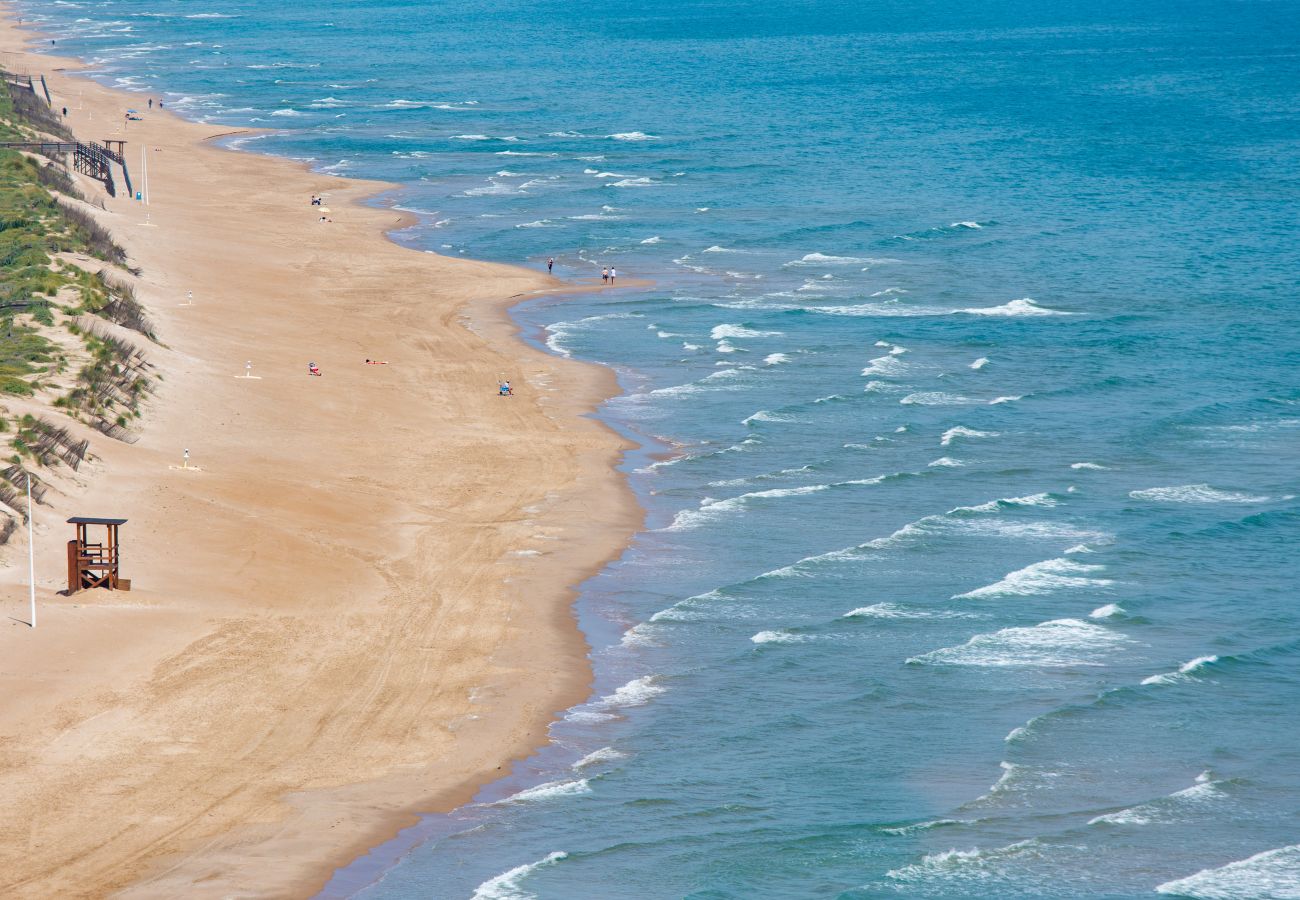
(313, 369)
(504, 389)
(375, 362)
(315, 201)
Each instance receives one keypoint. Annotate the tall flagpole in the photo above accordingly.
(31, 549)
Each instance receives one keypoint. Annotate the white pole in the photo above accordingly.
(31, 549)
(142, 172)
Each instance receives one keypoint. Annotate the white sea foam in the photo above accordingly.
(969, 867)
(922, 826)
(550, 791)
(637, 692)
(738, 331)
(965, 225)
(1057, 643)
(710, 510)
(1167, 810)
(980, 363)
(557, 332)
(633, 183)
(507, 885)
(1044, 500)
(652, 240)
(1041, 578)
(886, 367)
(998, 400)
(1089, 466)
(945, 462)
(960, 431)
(1186, 672)
(822, 259)
(936, 398)
(892, 611)
(1273, 874)
(1195, 493)
(632, 136)
(1022, 307)
(1107, 611)
(778, 637)
(775, 359)
(286, 112)
(603, 755)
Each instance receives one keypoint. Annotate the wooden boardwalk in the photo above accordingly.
(88, 158)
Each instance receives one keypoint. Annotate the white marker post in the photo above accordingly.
(189, 299)
(248, 372)
(31, 548)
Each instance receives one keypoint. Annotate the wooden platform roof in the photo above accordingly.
(92, 520)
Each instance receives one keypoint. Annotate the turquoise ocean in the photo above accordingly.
(969, 402)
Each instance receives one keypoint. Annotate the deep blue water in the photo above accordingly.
(975, 328)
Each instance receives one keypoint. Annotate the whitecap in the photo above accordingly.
(886, 367)
(980, 363)
(603, 755)
(1022, 307)
(812, 259)
(506, 886)
(997, 400)
(1185, 672)
(1167, 810)
(778, 637)
(550, 791)
(1107, 611)
(892, 611)
(1195, 493)
(966, 866)
(945, 462)
(1090, 466)
(632, 136)
(961, 431)
(1041, 578)
(936, 398)
(738, 331)
(1274, 874)
(637, 692)
(652, 240)
(1053, 644)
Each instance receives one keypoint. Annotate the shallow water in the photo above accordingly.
(976, 329)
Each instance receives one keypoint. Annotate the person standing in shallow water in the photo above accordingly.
(550, 264)
(604, 275)
(613, 273)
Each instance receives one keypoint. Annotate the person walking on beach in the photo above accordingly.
(613, 273)
(151, 102)
(550, 264)
(604, 275)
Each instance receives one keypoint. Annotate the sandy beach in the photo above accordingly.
(357, 609)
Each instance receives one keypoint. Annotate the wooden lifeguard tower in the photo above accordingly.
(95, 565)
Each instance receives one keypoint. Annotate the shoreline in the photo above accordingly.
(332, 817)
